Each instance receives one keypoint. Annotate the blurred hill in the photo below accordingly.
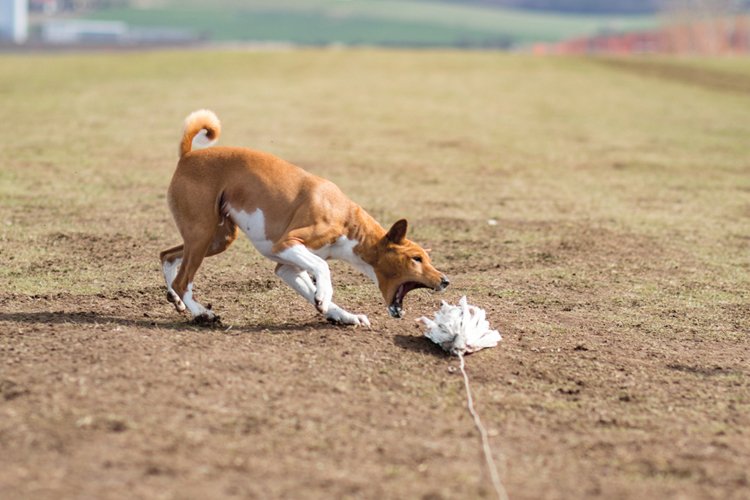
(473, 23)
(577, 6)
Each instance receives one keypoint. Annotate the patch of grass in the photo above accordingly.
(518, 152)
(619, 253)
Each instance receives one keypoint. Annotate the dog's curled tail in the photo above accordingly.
(202, 130)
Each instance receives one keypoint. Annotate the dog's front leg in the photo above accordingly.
(302, 258)
(301, 283)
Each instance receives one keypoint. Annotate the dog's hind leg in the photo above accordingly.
(171, 259)
(194, 252)
(226, 232)
(170, 263)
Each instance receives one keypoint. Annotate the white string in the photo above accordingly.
(499, 488)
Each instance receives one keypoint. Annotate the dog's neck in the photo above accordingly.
(369, 234)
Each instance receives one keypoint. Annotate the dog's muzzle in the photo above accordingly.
(444, 282)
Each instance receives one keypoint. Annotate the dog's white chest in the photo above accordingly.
(343, 249)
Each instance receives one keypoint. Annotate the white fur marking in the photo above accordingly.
(254, 226)
(343, 249)
(201, 141)
(206, 117)
(195, 308)
(339, 315)
(301, 283)
(300, 256)
(170, 271)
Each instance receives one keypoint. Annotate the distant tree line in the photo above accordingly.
(601, 6)
(575, 6)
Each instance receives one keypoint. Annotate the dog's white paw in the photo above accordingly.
(363, 321)
(340, 316)
(174, 299)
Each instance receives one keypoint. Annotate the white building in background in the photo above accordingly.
(89, 32)
(14, 21)
(76, 31)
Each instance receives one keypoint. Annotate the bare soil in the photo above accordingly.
(115, 394)
(612, 260)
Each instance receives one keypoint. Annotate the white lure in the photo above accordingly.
(460, 329)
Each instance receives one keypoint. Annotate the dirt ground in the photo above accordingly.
(613, 259)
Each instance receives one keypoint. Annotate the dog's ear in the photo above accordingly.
(397, 232)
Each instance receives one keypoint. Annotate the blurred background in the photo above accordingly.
(541, 26)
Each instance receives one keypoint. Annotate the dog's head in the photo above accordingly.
(403, 266)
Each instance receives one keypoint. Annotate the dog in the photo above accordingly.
(291, 216)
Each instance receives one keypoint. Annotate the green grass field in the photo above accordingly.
(370, 22)
(617, 271)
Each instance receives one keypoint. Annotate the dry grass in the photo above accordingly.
(618, 273)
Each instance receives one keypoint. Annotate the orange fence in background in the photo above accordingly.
(719, 36)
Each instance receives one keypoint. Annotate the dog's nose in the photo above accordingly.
(444, 282)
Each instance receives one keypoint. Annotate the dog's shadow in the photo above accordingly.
(92, 318)
(418, 344)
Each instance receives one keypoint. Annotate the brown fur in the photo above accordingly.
(194, 123)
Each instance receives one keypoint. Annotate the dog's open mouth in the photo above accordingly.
(396, 308)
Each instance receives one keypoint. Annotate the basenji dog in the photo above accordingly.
(291, 216)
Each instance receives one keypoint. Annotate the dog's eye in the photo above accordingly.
(417, 259)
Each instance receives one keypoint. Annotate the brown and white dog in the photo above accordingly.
(292, 217)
